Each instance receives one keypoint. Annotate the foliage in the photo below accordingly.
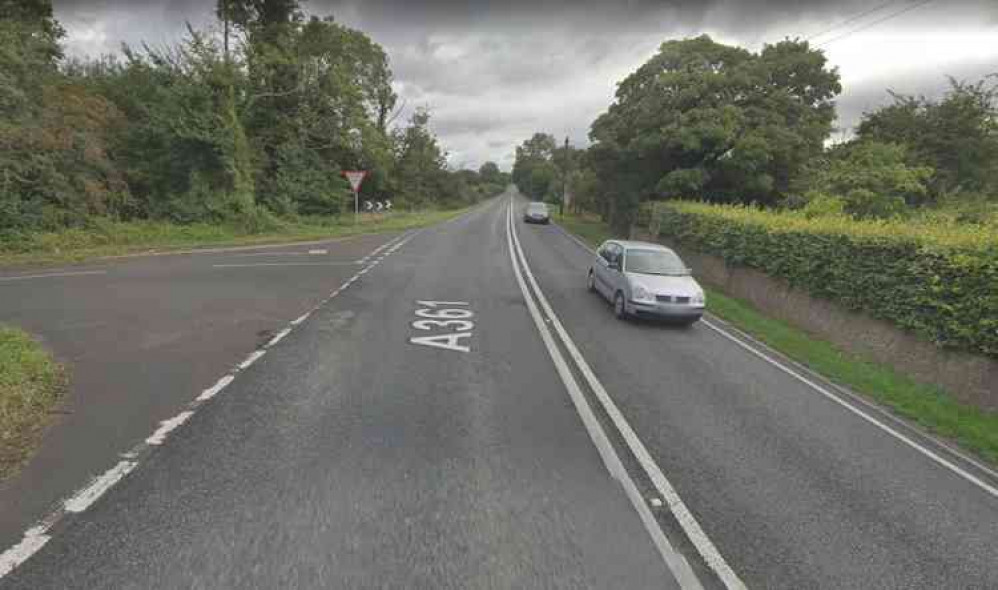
(972, 427)
(534, 171)
(936, 279)
(872, 178)
(705, 120)
(30, 385)
(957, 136)
(259, 123)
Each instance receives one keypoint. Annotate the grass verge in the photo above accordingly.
(30, 385)
(972, 428)
(107, 238)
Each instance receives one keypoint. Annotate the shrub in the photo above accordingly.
(938, 279)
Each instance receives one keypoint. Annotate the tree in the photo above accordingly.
(872, 179)
(489, 172)
(420, 164)
(957, 136)
(705, 120)
(533, 170)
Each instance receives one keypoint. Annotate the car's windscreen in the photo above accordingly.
(654, 262)
(537, 208)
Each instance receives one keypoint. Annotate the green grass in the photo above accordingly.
(929, 406)
(105, 238)
(31, 383)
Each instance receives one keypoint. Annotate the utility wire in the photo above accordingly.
(852, 19)
(875, 22)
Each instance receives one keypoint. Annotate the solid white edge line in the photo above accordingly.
(914, 445)
(54, 274)
(930, 454)
(82, 499)
(877, 412)
(676, 563)
(33, 540)
(711, 555)
(166, 427)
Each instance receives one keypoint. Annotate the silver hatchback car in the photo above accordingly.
(646, 279)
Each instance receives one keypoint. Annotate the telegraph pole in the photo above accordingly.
(564, 179)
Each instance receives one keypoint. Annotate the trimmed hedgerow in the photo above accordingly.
(938, 280)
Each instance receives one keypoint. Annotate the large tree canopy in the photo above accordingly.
(705, 120)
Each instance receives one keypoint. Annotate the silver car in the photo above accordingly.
(643, 279)
(536, 212)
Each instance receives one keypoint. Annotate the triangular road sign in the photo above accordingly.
(355, 177)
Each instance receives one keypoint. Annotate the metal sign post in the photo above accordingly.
(356, 177)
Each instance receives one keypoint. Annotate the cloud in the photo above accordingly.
(493, 73)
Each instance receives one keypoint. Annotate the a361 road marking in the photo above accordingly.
(445, 316)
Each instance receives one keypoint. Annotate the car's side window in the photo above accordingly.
(615, 253)
(604, 252)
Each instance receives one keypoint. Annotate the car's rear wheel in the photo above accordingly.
(619, 307)
(591, 282)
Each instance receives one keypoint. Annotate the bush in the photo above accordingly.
(939, 279)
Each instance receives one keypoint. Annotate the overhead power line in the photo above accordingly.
(875, 22)
(852, 19)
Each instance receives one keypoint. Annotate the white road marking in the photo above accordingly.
(711, 555)
(33, 540)
(81, 273)
(166, 427)
(828, 394)
(212, 391)
(318, 252)
(942, 461)
(676, 563)
(279, 336)
(252, 358)
(36, 537)
(82, 499)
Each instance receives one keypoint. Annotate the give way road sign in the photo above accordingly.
(355, 177)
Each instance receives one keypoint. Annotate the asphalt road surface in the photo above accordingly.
(142, 336)
(451, 418)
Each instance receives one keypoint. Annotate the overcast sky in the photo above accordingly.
(492, 73)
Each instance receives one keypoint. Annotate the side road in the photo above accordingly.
(141, 336)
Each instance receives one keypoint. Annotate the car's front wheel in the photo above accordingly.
(619, 306)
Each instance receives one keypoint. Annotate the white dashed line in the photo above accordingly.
(221, 384)
(168, 426)
(252, 358)
(37, 536)
(278, 337)
(82, 499)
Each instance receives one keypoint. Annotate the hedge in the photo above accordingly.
(938, 280)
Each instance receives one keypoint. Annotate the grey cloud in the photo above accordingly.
(495, 72)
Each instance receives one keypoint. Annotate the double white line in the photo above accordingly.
(677, 563)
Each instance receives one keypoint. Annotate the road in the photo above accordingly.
(449, 419)
(143, 335)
